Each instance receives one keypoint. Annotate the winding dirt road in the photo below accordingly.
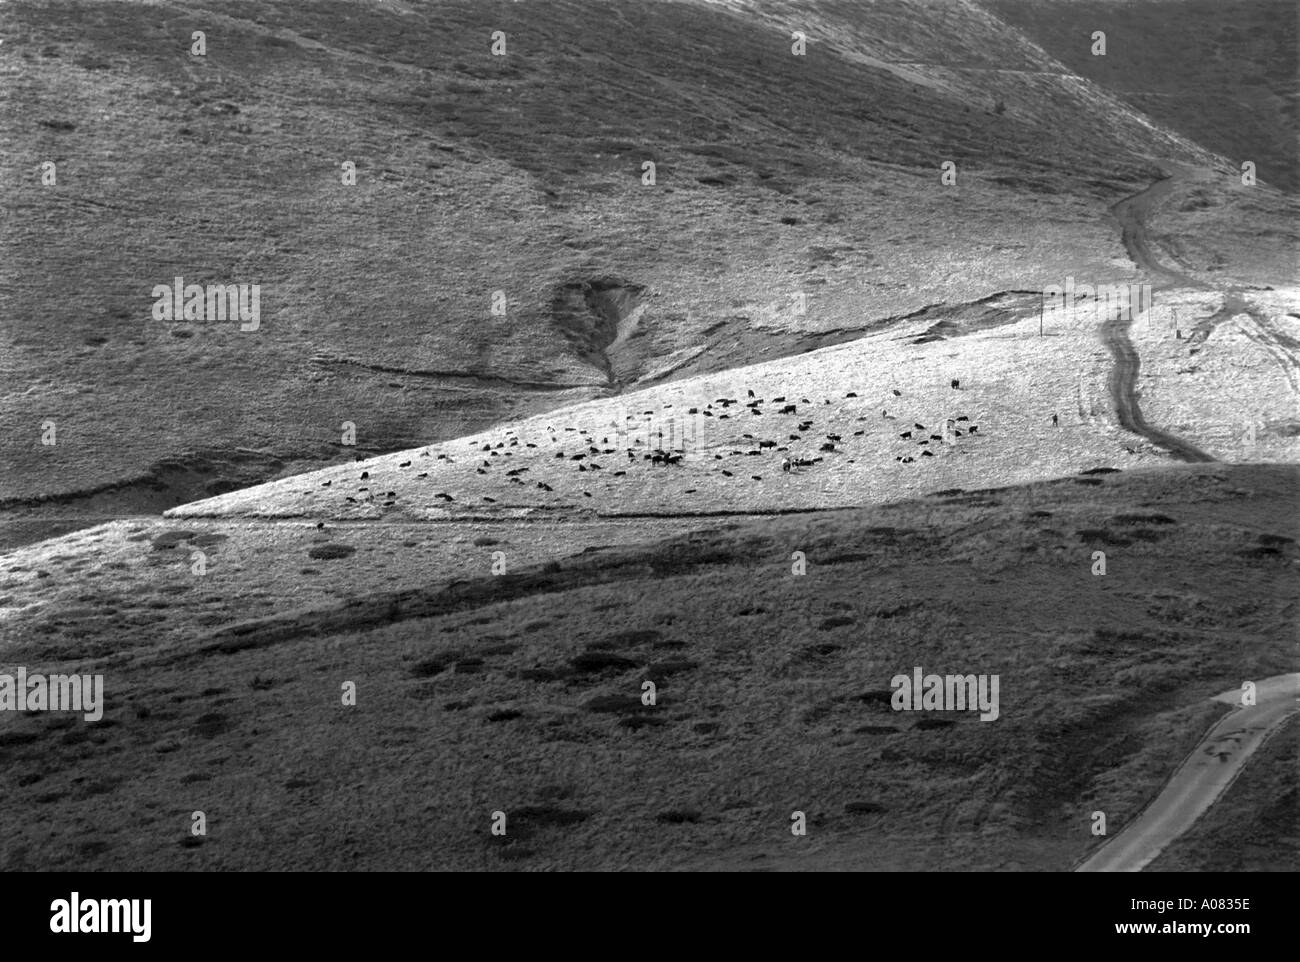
(1222, 754)
(1198, 783)
(1131, 212)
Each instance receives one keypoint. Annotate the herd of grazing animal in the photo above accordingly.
(920, 436)
(583, 450)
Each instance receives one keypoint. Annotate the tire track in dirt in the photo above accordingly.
(1270, 341)
(1131, 212)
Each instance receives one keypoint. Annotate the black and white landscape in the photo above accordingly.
(655, 434)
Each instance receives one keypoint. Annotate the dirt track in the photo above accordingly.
(1122, 383)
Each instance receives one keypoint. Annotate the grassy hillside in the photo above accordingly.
(545, 508)
(476, 174)
(520, 693)
(1225, 73)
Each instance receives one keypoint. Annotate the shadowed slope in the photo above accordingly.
(1104, 681)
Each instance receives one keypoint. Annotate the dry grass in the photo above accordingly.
(479, 174)
(768, 690)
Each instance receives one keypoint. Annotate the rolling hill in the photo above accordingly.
(787, 421)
